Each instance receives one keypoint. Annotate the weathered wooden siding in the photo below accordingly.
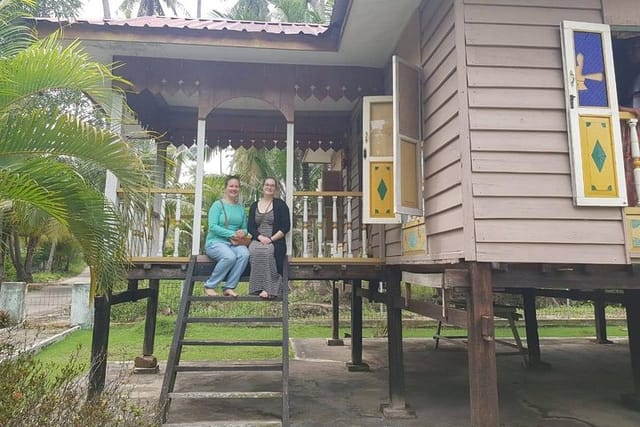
(442, 128)
(520, 172)
(438, 57)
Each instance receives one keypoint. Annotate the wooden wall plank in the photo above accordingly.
(520, 141)
(528, 15)
(526, 120)
(517, 98)
(441, 94)
(516, 77)
(513, 57)
(441, 159)
(522, 185)
(444, 221)
(527, 208)
(447, 178)
(564, 253)
(550, 231)
(446, 133)
(446, 243)
(512, 35)
(536, 163)
(573, 4)
(447, 199)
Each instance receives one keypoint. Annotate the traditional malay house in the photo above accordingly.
(476, 147)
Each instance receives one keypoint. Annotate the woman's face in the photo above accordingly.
(269, 187)
(232, 190)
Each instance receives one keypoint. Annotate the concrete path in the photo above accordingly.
(581, 389)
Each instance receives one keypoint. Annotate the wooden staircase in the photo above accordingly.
(198, 272)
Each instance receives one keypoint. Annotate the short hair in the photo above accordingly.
(229, 178)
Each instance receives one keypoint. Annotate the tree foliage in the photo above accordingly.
(45, 154)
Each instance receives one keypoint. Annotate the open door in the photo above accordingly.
(377, 152)
(407, 139)
(597, 168)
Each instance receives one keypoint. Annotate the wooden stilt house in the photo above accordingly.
(478, 147)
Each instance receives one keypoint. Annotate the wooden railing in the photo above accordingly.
(326, 224)
(631, 147)
(156, 220)
(325, 220)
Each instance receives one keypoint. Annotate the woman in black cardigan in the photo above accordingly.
(269, 224)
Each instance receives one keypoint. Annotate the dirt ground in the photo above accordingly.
(582, 388)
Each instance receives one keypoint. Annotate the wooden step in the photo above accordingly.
(233, 320)
(230, 367)
(253, 298)
(245, 343)
(226, 395)
(247, 423)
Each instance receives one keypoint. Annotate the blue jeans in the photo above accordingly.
(231, 262)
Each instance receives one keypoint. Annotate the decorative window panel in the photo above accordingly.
(597, 169)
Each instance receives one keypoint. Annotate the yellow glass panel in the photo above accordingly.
(381, 122)
(598, 157)
(408, 174)
(381, 190)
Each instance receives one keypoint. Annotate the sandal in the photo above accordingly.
(230, 293)
(210, 292)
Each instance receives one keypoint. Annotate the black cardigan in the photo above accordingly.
(281, 222)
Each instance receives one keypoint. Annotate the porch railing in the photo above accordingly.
(326, 224)
(160, 221)
(631, 148)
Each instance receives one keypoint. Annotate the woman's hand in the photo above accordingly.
(264, 240)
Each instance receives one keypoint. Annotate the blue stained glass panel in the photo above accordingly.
(591, 79)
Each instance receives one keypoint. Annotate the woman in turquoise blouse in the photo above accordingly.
(227, 223)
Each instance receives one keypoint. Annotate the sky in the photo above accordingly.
(93, 8)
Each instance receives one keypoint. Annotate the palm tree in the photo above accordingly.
(43, 155)
(150, 7)
(246, 10)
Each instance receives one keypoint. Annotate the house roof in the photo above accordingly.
(361, 33)
(199, 25)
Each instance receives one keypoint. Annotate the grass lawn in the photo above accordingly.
(125, 340)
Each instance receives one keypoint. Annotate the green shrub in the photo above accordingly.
(5, 319)
(33, 394)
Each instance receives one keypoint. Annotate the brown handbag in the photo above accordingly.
(236, 241)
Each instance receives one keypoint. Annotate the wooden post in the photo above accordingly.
(148, 363)
(531, 327)
(483, 379)
(356, 363)
(632, 305)
(396, 408)
(99, 346)
(335, 305)
(600, 319)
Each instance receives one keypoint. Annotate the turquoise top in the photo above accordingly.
(236, 220)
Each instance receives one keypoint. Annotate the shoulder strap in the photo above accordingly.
(226, 218)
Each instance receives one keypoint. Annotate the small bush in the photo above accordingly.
(5, 319)
(33, 393)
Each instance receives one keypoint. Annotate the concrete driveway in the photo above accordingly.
(581, 389)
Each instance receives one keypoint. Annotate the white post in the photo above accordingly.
(635, 155)
(111, 183)
(334, 226)
(161, 231)
(349, 230)
(364, 242)
(176, 230)
(305, 227)
(13, 297)
(319, 226)
(289, 180)
(197, 204)
(81, 307)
